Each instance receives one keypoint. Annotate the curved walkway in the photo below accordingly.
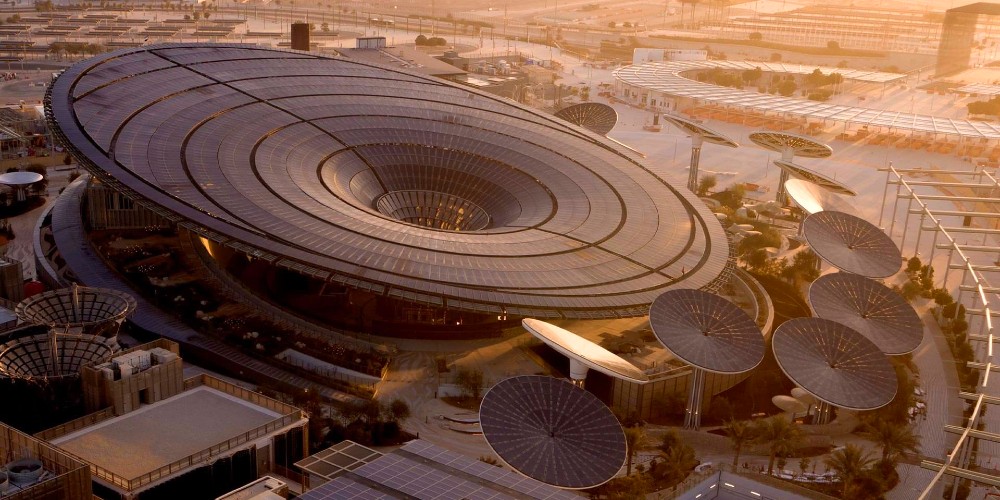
(75, 248)
(665, 77)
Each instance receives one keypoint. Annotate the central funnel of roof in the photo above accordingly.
(433, 209)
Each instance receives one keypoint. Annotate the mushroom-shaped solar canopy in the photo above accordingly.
(868, 307)
(20, 178)
(593, 116)
(852, 244)
(791, 145)
(803, 395)
(76, 309)
(796, 170)
(699, 134)
(583, 354)
(834, 363)
(706, 331)
(553, 431)
(812, 198)
(789, 404)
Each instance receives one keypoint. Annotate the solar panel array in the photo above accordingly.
(42, 356)
(286, 154)
(852, 244)
(422, 470)
(667, 77)
(803, 146)
(707, 331)
(334, 461)
(870, 308)
(812, 198)
(75, 307)
(593, 116)
(693, 128)
(553, 431)
(834, 363)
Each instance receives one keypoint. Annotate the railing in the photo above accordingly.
(963, 448)
(75, 424)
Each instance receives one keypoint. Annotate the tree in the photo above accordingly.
(752, 75)
(470, 381)
(776, 57)
(833, 45)
(490, 460)
(913, 265)
(756, 36)
(787, 88)
(780, 435)
(893, 439)
(706, 183)
(612, 24)
(739, 432)
(849, 462)
(634, 437)
(398, 410)
(326, 27)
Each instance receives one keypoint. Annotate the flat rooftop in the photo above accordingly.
(161, 433)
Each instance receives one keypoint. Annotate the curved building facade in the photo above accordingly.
(378, 179)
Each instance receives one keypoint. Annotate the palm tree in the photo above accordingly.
(740, 433)
(780, 435)
(894, 439)
(849, 462)
(634, 436)
(678, 462)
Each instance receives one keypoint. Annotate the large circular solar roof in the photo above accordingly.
(834, 363)
(387, 180)
(870, 308)
(553, 431)
(707, 331)
(852, 244)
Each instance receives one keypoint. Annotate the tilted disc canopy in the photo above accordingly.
(796, 170)
(584, 351)
(706, 331)
(834, 363)
(870, 308)
(812, 198)
(593, 116)
(852, 244)
(553, 431)
(799, 145)
(693, 128)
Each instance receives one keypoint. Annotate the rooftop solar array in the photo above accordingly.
(828, 183)
(425, 471)
(980, 89)
(593, 116)
(852, 244)
(870, 308)
(287, 155)
(812, 198)
(693, 128)
(834, 363)
(553, 431)
(334, 461)
(707, 331)
(53, 355)
(667, 77)
(75, 307)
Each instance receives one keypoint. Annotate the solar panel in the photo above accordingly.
(852, 244)
(811, 198)
(693, 128)
(76, 307)
(707, 331)
(550, 430)
(798, 145)
(584, 351)
(821, 180)
(834, 363)
(870, 308)
(593, 116)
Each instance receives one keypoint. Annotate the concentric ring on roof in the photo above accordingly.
(821, 180)
(284, 155)
(693, 128)
(706, 331)
(593, 116)
(75, 307)
(870, 308)
(834, 363)
(812, 198)
(578, 348)
(852, 244)
(800, 145)
(550, 430)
